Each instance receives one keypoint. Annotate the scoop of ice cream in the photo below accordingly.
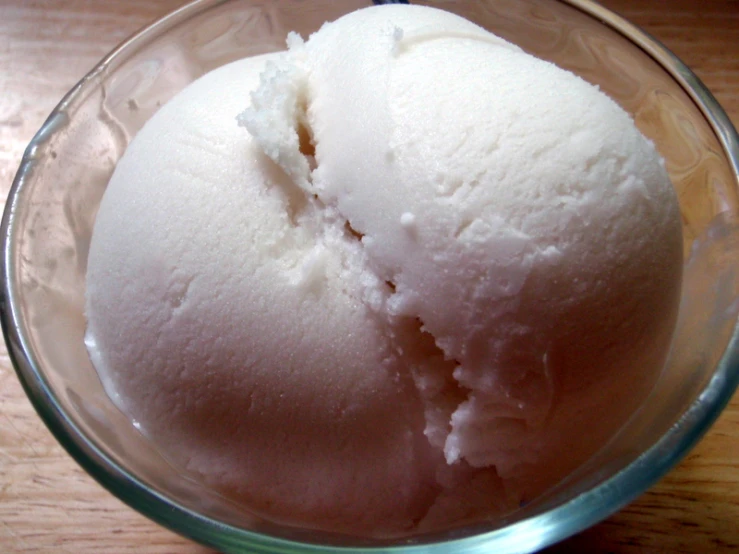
(397, 301)
(515, 209)
(230, 328)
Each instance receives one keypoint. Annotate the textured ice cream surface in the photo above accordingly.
(392, 293)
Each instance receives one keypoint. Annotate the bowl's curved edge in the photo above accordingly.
(652, 465)
(702, 97)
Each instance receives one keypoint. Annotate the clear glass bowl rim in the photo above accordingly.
(527, 535)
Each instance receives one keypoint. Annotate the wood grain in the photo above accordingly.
(48, 504)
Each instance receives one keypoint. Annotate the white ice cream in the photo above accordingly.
(429, 278)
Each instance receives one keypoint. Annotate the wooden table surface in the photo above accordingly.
(48, 504)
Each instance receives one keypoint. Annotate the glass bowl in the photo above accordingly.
(52, 205)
